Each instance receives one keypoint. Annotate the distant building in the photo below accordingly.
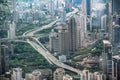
(116, 35)
(17, 74)
(104, 22)
(39, 74)
(107, 59)
(3, 59)
(72, 29)
(68, 5)
(62, 58)
(53, 41)
(115, 6)
(67, 77)
(52, 7)
(98, 76)
(63, 39)
(116, 68)
(58, 74)
(63, 16)
(11, 31)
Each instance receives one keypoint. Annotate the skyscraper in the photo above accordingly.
(3, 59)
(116, 68)
(63, 39)
(11, 31)
(53, 40)
(88, 7)
(68, 5)
(104, 22)
(116, 35)
(72, 29)
(107, 59)
(52, 7)
(115, 6)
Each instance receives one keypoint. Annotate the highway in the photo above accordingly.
(43, 51)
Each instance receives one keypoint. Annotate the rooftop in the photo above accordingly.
(106, 42)
(117, 57)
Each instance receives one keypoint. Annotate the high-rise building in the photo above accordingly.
(81, 29)
(115, 6)
(72, 29)
(115, 35)
(77, 2)
(88, 7)
(63, 16)
(58, 74)
(107, 59)
(104, 22)
(68, 5)
(63, 39)
(11, 31)
(17, 74)
(116, 68)
(53, 41)
(3, 59)
(52, 7)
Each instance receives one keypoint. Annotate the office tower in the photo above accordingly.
(117, 21)
(67, 77)
(58, 74)
(115, 35)
(68, 5)
(63, 16)
(107, 59)
(52, 7)
(84, 7)
(63, 39)
(11, 31)
(53, 41)
(104, 22)
(116, 68)
(115, 6)
(84, 12)
(3, 59)
(88, 7)
(81, 25)
(72, 29)
(17, 74)
(15, 16)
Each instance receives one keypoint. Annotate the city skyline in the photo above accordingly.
(59, 39)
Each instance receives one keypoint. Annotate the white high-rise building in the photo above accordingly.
(53, 41)
(52, 7)
(80, 30)
(11, 31)
(104, 22)
(17, 74)
(84, 12)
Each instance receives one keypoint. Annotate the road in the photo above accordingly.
(43, 51)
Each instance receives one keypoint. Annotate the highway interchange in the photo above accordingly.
(43, 51)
